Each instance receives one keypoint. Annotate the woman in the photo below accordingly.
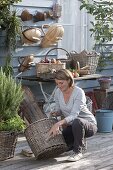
(78, 122)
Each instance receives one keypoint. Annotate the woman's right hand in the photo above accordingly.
(54, 114)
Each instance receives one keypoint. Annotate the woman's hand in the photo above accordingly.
(56, 128)
(54, 113)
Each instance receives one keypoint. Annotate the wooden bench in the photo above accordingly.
(29, 108)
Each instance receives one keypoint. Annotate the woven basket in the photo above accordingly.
(52, 36)
(47, 67)
(31, 35)
(36, 135)
(8, 142)
(25, 15)
(86, 59)
(89, 103)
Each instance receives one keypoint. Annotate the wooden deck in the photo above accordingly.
(99, 156)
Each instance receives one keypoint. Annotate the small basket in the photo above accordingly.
(36, 135)
(86, 59)
(8, 142)
(47, 67)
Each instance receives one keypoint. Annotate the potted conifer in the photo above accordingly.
(11, 95)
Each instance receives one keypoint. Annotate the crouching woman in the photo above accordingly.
(78, 122)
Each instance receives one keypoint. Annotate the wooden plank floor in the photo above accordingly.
(99, 156)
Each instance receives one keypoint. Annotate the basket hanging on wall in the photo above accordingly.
(54, 33)
(25, 15)
(31, 35)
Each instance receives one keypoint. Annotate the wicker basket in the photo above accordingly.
(47, 67)
(86, 59)
(8, 142)
(41, 147)
(31, 35)
(52, 36)
(89, 103)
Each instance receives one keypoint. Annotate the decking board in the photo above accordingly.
(99, 156)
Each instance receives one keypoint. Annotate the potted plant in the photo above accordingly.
(102, 26)
(11, 96)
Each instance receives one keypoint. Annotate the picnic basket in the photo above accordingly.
(41, 146)
(86, 59)
(8, 142)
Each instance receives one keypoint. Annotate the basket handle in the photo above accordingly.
(44, 26)
(56, 49)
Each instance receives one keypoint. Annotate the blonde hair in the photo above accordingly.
(65, 74)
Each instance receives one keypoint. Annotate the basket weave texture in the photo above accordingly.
(8, 142)
(86, 59)
(36, 135)
(89, 103)
(52, 36)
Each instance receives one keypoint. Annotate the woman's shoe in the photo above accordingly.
(75, 157)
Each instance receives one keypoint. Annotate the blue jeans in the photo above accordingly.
(75, 134)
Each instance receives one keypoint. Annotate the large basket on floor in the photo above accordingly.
(8, 142)
(86, 59)
(36, 135)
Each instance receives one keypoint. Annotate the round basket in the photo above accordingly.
(36, 135)
(8, 142)
(52, 36)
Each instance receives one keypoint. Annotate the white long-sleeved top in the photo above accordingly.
(75, 107)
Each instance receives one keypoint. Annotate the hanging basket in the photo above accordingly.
(8, 142)
(54, 33)
(36, 135)
(31, 35)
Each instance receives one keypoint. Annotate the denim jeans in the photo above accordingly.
(75, 134)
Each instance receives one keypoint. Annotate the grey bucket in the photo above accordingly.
(104, 120)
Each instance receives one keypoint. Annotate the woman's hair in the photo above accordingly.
(65, 74)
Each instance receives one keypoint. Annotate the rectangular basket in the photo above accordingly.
(86, 59)
(47, 67)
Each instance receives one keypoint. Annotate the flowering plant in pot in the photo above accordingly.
(11, 96)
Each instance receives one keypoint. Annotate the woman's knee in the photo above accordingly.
(76, 123)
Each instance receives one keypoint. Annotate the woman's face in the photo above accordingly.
(63, 85)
